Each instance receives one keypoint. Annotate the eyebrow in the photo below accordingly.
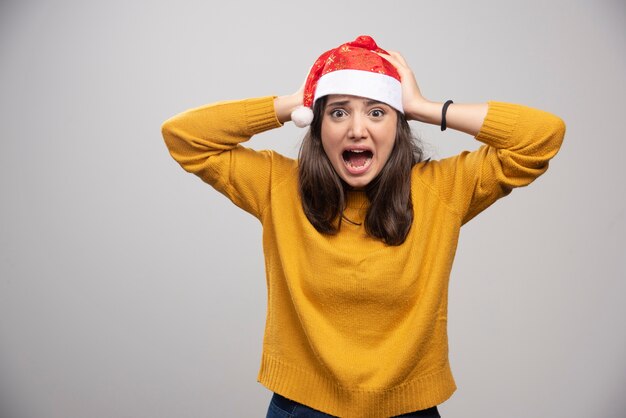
(345, 102)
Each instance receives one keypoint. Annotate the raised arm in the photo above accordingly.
(462, 117)
(206, 141)
(519, 143)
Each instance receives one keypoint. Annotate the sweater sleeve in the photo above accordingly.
(206, 141)
(518, 142)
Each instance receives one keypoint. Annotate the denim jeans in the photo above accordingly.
(281, 407)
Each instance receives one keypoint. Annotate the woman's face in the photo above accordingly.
(358, 135)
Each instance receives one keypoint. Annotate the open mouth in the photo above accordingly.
(357, 160)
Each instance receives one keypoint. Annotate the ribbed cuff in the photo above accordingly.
(260, 115)
(499, 124)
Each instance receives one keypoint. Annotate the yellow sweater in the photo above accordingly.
(357, 328)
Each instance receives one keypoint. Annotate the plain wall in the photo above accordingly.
(129, 288)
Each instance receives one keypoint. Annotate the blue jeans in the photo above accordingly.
(281, 407)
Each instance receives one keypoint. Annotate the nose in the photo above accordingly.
(358, 128)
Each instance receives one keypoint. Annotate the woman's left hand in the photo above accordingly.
(466, 118)
(412, 99)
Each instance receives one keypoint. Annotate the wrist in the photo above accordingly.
(425, 111)
(284, 105)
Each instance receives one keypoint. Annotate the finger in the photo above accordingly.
(399, 57)
(395, 59)
(390, 58)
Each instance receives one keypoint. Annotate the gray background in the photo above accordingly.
(129, 288)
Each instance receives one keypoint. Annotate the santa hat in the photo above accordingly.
(353, 68)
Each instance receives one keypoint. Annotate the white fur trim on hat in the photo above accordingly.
(380, 87)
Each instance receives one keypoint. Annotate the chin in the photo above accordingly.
(357, 183)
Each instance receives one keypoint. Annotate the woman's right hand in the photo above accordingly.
(284, 105)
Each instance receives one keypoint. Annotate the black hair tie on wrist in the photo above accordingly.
(443, 114)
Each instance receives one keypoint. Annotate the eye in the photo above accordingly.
(377, 113)
(337, 113)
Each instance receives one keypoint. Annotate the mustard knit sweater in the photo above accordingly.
(357, 328)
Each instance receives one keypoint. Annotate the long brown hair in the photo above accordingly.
(323, 192)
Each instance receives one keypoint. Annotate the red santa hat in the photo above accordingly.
(353, 68)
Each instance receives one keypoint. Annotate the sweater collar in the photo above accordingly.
(356, 199)
(356, 207)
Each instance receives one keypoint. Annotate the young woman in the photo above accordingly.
(359, 233)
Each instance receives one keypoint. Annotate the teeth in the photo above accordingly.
(357, 151)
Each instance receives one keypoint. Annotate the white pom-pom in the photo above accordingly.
(302, 116)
